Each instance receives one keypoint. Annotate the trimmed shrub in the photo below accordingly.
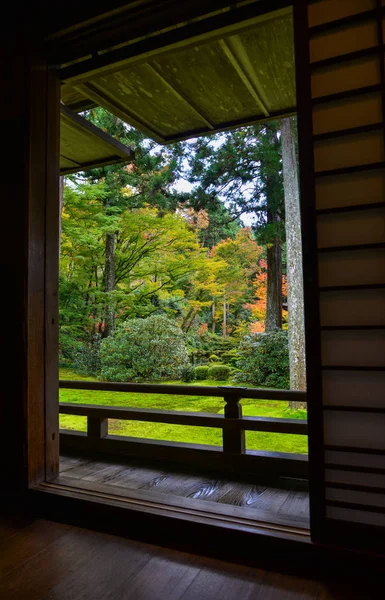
(230, 358)
(214, 358)
(219, 372)
(144, 350)
(264, 360)
(188, 373)
(201, 373)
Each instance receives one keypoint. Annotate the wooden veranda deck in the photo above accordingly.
(188, 488)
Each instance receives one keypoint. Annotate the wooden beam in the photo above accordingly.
(232, 420)
(185, 390)
(243, 74)
(239, 52)
(96, 93)
(91, 130)
(228, 125)
(181, 96)
(85, 40)
(243, 18)
(71, 160)
(268, 464)
(108, 160)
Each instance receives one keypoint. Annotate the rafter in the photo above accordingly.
(236, 54)
(181, 96)
(96, 93)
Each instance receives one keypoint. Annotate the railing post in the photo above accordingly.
(233, 438)
(97, 427)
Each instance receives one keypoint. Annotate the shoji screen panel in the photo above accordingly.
(341, 125)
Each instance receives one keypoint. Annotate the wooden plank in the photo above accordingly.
(185, 390)
(350, 208)
(348, 57)
(40, 182)
(99, 95)
(180, 95)
(74, 565)
(329, 135)
(360, 17)
(209, 29)
(184, 418)
(214, 510)
(52, 279)
(271, 464)
(352, 247)
(249, 84)
(28, 542)
(347, 94)
(84, 146)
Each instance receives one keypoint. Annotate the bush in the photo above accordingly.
(188, 373)
(69, 348)
(144, 350)
(87, 357)
(218, 372)
(214, 358)
(201, 373)
(264, 360)
(230, 358)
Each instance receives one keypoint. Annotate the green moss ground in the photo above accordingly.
(180, 433)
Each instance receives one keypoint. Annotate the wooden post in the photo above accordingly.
(233, 439)
(97, 427)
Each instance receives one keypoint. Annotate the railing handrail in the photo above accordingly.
(187, 390)
(176, 417)
(231, 456)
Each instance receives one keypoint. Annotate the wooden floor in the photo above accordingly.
(40, 560)
(189, 489)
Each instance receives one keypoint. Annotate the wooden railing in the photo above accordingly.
(231, 456)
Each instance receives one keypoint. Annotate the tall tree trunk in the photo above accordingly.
(274, 287)
(297, 356)
(224, 317)
(109, 285)
(213, 317)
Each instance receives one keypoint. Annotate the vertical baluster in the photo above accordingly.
(97, 427)
(233, 437)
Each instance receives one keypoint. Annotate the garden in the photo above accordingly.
(178, 268)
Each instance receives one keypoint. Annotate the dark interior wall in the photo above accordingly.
(14, 125)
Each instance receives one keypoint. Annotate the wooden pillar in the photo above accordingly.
(30, 102)
(97, 427)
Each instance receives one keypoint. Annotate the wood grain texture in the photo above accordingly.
(49, 561)
(170, 484)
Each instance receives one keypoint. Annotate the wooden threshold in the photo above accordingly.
(234, 514)
(146, 503)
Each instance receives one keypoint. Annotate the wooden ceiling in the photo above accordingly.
(84, 146)
(223, 78)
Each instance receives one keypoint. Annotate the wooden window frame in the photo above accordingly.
(37, 388)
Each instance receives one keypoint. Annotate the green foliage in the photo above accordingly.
(244, 168)
(218, 372)
(69, 347)
(214, 358)
(143, 350)
(230, 357)
(87, 356)
(264, 360)
(201, 372)
(187, 373)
